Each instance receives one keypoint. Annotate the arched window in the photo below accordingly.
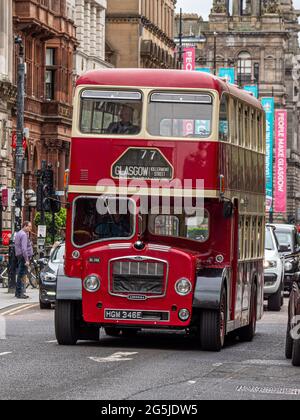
(244, 68)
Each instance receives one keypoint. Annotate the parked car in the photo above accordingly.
(273, 272)
(289, 241)
(292, 348)
(48, 277)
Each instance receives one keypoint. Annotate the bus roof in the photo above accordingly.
(164, 79)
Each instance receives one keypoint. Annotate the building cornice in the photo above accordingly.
(147, 24)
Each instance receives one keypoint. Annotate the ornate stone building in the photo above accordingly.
(89, 18)
(259, 39)
(7, 99)
(49, 40)
(140, 33)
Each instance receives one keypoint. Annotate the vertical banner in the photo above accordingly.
(203, 69)
(269, 105)
(189, 58)
(253, 89)
(228, 73)
(280, 163)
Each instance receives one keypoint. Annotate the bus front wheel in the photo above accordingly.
(66, 325)
(213, 327)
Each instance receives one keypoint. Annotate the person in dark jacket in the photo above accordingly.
(24, 253)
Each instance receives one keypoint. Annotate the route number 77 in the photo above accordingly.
(145, 154)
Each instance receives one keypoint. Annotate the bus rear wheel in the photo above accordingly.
(66, 325)
(213, 326)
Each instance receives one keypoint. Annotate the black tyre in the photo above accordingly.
(213, 326)
(296, 353)
(246, 334)
(44, 305)
(112, 332)
(66, 325)
(274, 302)
(289, 343)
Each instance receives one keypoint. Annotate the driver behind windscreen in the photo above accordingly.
(114, 226)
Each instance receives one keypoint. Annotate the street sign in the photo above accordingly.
(42, 231)
(5, 197)
(6, 235)
(41, 242)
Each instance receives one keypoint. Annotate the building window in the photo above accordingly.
(244, 68)
(50, 74)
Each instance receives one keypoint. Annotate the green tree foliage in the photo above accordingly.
(60, 224)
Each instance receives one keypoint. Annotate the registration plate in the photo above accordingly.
(120, 314)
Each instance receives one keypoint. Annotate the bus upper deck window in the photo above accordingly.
(111, 112)
(180, 115)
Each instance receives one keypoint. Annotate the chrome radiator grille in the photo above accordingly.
(138, 277)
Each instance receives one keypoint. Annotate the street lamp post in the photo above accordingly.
(19, 162)
(215, 53)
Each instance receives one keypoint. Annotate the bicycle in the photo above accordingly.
(4, 270)
(33, 274)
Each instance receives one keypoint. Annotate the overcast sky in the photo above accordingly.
(203, 7)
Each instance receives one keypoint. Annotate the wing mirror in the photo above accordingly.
(228, 209)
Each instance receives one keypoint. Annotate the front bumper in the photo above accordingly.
(272, 284)
(48, 292)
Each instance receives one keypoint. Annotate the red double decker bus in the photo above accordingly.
(166, 201)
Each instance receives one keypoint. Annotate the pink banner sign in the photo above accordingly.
(189, 58)
(281, 163)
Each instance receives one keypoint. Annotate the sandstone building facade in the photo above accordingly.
(140, 33)
(49, 39)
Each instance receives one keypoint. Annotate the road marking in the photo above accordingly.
(268, 390)
(14, 309)
(2, 328)
(51, 341)
(263, 362)
(5, 353)
(116, 357)
(217, 364)
(191, 382)
(23, 309)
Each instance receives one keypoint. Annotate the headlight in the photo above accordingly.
(270, 264)
(288, 266)
(91, 283)
(183, 287)
(49, 277)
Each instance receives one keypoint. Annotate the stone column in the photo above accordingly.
(236, 7)
(79, 21)
(3, 38)
(100, 37)
(93, 30)
(87, 27)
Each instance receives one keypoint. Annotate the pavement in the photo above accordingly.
(7, 300)
(154, 366)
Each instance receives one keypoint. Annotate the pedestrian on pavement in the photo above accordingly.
(24, 253)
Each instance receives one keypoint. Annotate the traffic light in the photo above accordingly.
(47, 200)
